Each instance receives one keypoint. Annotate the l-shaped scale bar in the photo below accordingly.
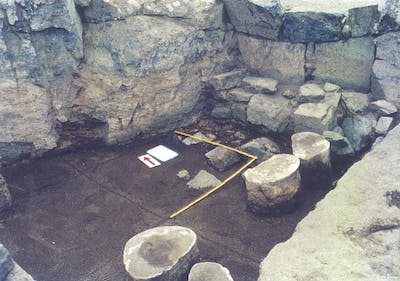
(212, 190)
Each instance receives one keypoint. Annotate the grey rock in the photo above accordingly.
(183, 175)
(263, 148)
(82, 3)
(312, 27)
(5, 195)
(333, 99)
(274, 113)
(290, 94)
(314, 117)
(355, 102)
(162, 253)
(363, 20)
(222, 159)
(390, 20)
(191, 141)
(259, 85)
(340, 145)
(329, 87)
(386, 69)
(383, 107)
(273, 183)
(239, 135)
(310, 93)
(6, 262)
(227, 80)
(239, 95)
(312, 149)
(384, 125)
(359, 130)
(221, 111)
(239, 112)
(377, 141)
(254, 17)
(209, 271)
(334, 230)
(279, 60)
(203, 180)
(348, 64)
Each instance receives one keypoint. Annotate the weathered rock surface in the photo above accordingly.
(312, 27)
(347, 64)
(203, 180)
(383, 125)
(191, 141)
(162, 253)
(354, 102)
(239, 95)
(363, 20)
(386, 70)
(329, 87)
(259, 85)
(227, 80)
(279, 60)
(314, 117)
(263, 148)
(312, 149)
(273, 183)
(359, 130)
(340, 145)
(383, 107)
(353, 233)
(273, 112)
(311, 93)
(209, 271)
(9, 269)
(222, 159)
(255, 17)
(5, 196)
(222, 111)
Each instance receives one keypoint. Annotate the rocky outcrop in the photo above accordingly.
(354, 232)
(9, 269)
(162, 253)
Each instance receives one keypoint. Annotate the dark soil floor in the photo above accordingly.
(73, 213)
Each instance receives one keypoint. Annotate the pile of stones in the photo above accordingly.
(166, 253)
(350, 120)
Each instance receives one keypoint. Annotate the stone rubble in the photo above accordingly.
(383, 107)
(209, 271)
(383, 125)
(222, 159)
(203, 180)
(183, 175)
(259, 85)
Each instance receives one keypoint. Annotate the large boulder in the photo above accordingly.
(314, 117)
(163, 253)
(348, 63)
(209, 271)
(354, 232)
(386, 70)
(272, 186)
(40, 47)
(273, 112)
(280, 60)
(359, 130)
(255, 17)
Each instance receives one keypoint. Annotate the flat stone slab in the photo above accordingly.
(330, 87)
(383, 107)
(239, 95)
(263, 148)
(222, 159)
(273, 183)
(354, 232)
(227, 80)
(203, 180)
(259, 85)
(311, 93)
(209, 271)
(163, 253)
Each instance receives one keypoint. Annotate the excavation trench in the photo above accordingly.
(73, 213)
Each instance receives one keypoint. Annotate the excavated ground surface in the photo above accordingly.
(74, 212)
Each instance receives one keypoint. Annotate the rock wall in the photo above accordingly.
(76, 72)
(354, 232)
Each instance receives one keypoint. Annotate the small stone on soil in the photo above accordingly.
(209, 271)
(222, 159)
(203, 180)
(183, 175)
